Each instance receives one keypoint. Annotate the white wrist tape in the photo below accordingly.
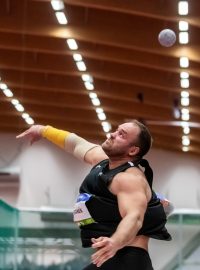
(78, 146)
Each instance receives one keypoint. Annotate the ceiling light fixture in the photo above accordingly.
(185, 117)
(99, 110)
(77, 57)
(185, 111)
(92, 95)
(184, 62)
(96, 102)
(186, 130)
(185, 101)
(8, 92)
(184, 75)
(87, 78)
(57, 5)
(183, 37)
(185, 94)
(61, 17)
(106, 126)
(81, 66)
(183, 8)
(3, 86)
(185, 148)
(29, 121)
(72, 44)
(19, 107)
(89, 86)
(15, 101)
(101, 116)
(185, 83)
(25, 115)
(185, 140)
(183, 26)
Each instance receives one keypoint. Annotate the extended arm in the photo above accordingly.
(70, 142)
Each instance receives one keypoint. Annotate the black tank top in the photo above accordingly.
(103, 205)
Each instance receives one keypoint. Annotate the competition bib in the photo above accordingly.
(81, 214)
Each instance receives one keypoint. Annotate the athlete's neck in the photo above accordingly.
(114, 163)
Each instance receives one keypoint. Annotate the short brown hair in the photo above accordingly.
(144, 140)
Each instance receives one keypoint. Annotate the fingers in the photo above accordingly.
(95, 240)
(33, 134)
(101, 256)
(22, 134)
(105, 250)
(102, 259)
(99, 242)
(19, 136)
(99, 252)
(26, 134)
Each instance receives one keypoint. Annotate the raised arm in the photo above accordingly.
(70, 142)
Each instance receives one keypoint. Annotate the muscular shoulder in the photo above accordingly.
(130, 180)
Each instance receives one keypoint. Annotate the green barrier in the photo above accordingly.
(35, 239)
(47, 238)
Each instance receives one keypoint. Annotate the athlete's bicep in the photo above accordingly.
(95, 155)
(132, 197)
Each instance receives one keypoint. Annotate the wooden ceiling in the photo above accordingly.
(118, 42)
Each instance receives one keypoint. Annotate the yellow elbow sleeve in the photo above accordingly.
(56, 136)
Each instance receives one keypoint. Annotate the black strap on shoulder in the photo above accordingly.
(108, 174)
(111, 173)
(148, 171)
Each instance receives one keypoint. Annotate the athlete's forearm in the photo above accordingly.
(127, 229)
(71, 142)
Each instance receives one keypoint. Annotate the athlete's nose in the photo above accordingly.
(112, 135)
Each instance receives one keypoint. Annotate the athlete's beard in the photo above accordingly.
(111, 151)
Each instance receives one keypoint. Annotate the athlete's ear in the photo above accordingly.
(134, 150)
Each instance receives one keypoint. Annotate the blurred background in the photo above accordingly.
(86, 66)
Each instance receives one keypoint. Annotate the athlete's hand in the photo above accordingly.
(168, 206)
(106, 249)
(34, 133)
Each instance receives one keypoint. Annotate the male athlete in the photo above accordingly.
(117, 210)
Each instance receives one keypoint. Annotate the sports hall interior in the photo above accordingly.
(87, 66)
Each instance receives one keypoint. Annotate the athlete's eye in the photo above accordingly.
(121, 134)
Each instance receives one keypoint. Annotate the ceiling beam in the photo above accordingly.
(142, 8)
(106, 71)
(45, 25)
(58, 47)
(64, 84)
